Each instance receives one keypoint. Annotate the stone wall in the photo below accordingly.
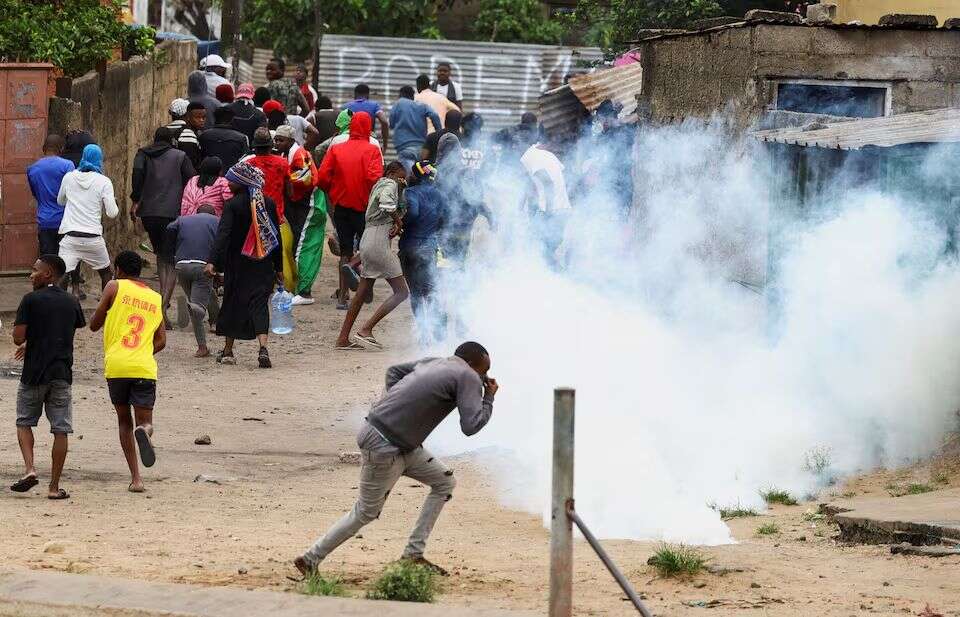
(698, 74)
(122, 109)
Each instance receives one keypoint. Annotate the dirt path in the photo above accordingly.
(276, 435)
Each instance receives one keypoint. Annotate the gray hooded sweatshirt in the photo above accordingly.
(197, 93)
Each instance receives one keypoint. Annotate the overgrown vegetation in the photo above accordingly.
(773, 495)
(917, 488)
(768, 529)
(73, 35)
(676, 560)
(318, 585)
(404, 581)
(517, 21)
(286, 26)
(736, 512)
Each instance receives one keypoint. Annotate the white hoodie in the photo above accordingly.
(83, 194)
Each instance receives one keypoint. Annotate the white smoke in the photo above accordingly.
(692, 388)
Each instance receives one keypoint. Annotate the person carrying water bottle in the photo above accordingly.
(249, 253)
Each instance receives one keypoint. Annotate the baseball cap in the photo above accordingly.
(245, 91)
(215, 60)
(285, 130)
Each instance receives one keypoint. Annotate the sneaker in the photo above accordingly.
(302, 566)
(421, 561)
(264, 358)
(299, 300)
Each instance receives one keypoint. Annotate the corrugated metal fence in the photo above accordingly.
(499, 80)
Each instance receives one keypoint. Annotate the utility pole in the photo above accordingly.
(317, 37)
(230, 33)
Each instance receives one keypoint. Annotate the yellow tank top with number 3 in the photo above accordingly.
(128, 332)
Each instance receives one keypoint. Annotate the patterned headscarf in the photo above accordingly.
(263, 237)
(92, 159)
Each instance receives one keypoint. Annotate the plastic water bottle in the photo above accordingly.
(281, 311)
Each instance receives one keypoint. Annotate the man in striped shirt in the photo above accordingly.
(185, 131)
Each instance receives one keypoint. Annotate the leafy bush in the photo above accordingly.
(516, 21)
(405, 582)
(318, 585)
(677, 560)
(73, 35)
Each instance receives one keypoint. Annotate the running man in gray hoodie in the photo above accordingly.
(418, 397)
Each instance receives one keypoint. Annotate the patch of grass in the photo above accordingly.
(319, 585)
(768, 529)
(774, 495)
(671, 561)
(405, 582)
(918, 489)
(811, 515)
(941, 477)
(736, 512)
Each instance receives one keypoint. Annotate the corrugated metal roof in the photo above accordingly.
(560, 112)
(932, 126)
(562, 108)
(620, 84)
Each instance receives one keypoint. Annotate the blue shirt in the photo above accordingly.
(408, 121)
(423, 219)
(44, 177)
(371, 107)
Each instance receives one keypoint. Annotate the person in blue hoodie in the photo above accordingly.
(419, 240)
(45, 177)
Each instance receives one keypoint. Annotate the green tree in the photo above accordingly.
(516, 21)
(612, 24)
(285, 26)
(73, 35)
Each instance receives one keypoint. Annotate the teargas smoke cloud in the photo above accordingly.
(694, 387)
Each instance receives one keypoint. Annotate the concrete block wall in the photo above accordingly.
(698, 74)
(122, 110)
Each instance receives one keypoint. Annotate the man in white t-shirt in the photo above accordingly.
(550, 203)
(446, 86)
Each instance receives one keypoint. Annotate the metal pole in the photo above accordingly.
(561, 528)
(602, 554)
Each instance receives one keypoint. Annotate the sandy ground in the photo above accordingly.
(276, 436)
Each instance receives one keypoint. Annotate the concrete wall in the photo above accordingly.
(699, 74)
(870, 11)
(122, 110)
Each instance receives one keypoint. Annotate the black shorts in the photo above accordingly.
(48, 241)
(156, 227)
(132, 391)
(349, 224)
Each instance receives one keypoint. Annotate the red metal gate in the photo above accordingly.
(24, 98)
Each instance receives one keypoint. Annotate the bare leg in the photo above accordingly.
(227, 346)
(353, 311)
(125, 425)
(59, 455)
(344, 296)
(25, 437)
(262, 339)
(105, 276)
(400, 293)
(144, 418)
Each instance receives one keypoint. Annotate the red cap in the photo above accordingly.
(224, 93)
(272, 105)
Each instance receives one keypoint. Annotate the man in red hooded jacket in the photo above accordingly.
(348, 172)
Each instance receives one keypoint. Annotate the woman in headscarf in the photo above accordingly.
(248, 251)
(207, 188)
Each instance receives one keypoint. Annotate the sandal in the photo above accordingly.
(229, 360)
(24, 484)
(61, 494)
(368, 342)
(145, 445)
(264, 358)
(353, 346)
(136, 490)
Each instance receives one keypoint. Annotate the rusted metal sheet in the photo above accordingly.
(621, 85)
(561, 113)
(24, 96)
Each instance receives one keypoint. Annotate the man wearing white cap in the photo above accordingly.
(215, 70)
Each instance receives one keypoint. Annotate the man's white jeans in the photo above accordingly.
(378, 474)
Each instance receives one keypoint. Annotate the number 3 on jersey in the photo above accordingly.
(132, 339)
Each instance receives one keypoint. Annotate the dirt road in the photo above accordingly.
(276, 436)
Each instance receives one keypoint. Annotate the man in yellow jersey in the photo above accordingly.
(131, 317)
